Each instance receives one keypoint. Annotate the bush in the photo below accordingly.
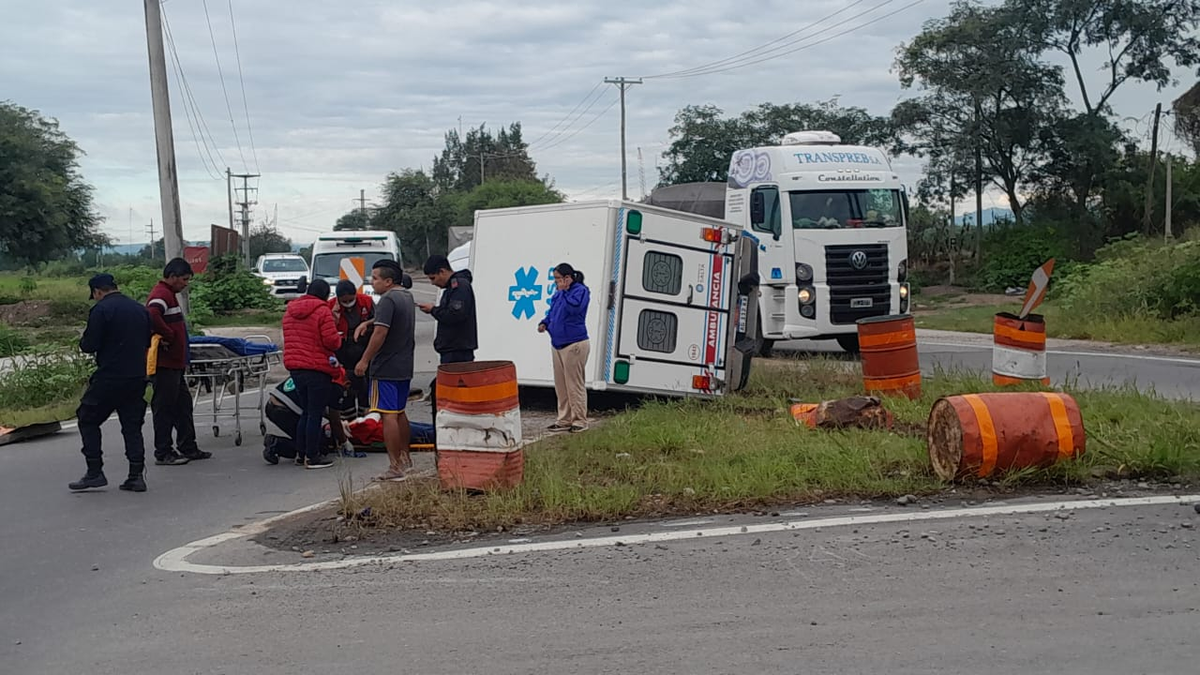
(1177, 293)
(136, 281)
(45, 381)
(64, 269)
(225, 287)
(1134, 277)
(1011, 254)
(11, 342)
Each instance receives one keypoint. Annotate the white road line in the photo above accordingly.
(1103, 355)
(176, 560)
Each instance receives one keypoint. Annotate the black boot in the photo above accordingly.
(136, 481)
(94, 478)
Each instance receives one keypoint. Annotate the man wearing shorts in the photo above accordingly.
(389, 356)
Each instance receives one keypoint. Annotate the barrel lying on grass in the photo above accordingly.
(983, 434)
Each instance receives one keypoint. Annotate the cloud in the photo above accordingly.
(339, 94)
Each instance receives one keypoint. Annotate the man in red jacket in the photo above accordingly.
(172, 400)
(309, 342)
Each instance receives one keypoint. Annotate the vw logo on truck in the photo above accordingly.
(858, 259)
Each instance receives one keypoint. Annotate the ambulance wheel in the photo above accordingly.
(270, 456)
(237, 439)
(216, 431)
(848, 343)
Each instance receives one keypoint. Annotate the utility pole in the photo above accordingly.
(168, 186)
(641, 172)
(150, 229)
(362, 203)
(978, 185)
(244, 205)
(623, 83)
(1147, 216)
(229, 194)
(952, 240)
(1167, 234)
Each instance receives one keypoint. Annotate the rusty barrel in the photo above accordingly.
(889, 355)
(479, 426)
(1019, 350)
(978, 435)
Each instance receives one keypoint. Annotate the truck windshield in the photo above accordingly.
(842, 209)
(284, 265)
(328, 265)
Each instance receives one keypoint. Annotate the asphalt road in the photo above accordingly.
(79, 593)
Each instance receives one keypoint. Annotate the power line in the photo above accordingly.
(759, 48)
(580, 130)
(221, 76)
(237, 53)
(568, 115)
(822, 41)
(208, 163)
(189, 100)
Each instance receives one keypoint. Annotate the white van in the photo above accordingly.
(351, 255)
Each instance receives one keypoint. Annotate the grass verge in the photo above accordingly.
(744, 453)
(46, 389)
(1132, 329)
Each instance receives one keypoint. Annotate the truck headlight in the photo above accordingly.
(902, 271)
(804, 272)
(268, 282)
(903, 291)
(806, 295)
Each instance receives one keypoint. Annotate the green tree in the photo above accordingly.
(1187, 117)
(500, 194)
(703, 140)
(357, 219)
(411, 208)
(45, 206)
(266, 238)
(481, 156)
(982, 91)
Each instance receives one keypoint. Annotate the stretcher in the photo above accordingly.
(225, 368)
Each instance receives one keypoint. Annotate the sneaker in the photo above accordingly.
(323, 463)
(195, 456)
(578, 428)
(173, 459)
(558, 428)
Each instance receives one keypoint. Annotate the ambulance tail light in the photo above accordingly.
(702, 382)
(713, 235)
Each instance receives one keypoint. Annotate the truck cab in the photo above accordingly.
(831, 224)
(351, 255)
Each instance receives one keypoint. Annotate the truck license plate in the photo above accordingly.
(742, 302)
(859, 303)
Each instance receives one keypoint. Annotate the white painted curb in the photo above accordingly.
(175, 560)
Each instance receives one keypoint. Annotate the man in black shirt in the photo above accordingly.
(118, 334)
(457, 335)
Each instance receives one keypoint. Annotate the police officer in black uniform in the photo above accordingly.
(457, 335)
(118, 334)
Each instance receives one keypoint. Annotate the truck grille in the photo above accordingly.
(848, 283)
(286, 283)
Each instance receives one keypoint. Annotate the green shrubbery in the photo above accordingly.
(1133, 277)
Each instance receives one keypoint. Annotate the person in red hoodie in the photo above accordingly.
(352, 309)
(172, 400)
(310, 340)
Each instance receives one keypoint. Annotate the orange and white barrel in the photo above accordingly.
(1019, 350)
(479, 445)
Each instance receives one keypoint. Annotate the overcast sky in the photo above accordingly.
(339, 94)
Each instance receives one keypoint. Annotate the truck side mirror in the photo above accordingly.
(302, 285)
(758, 211)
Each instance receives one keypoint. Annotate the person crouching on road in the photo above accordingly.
(310, 340)
(352, 309)
(567, 324)
(118, 334)
(172, 400)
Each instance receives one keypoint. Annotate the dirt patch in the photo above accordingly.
(26, 313)
(932, 298)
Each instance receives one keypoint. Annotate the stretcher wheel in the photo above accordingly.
(216, 431)
(237, 439)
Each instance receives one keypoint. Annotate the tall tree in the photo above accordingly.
(412, 210)
(982, 92)
(1139, 39)
(357, 219)
(1186, 109)
(481, 156)
(266, 238)
(46, 207)
(501, 194)
(703, 140)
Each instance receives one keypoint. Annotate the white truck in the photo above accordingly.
(351, 255)
(831, 221)
(672, 294)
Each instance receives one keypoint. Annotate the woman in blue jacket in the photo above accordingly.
(567, 324)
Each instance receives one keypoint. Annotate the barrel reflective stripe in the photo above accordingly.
(498, 395)
(1027, 339)
(890, 363)
(904, 336)
(1062, 425)
(479, 426)
(987, 434)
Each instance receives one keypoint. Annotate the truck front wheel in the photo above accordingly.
(848, 343)
(763, 346)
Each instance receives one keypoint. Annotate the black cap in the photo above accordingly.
(100, 281)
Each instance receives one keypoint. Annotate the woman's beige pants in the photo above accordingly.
(569, 363)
